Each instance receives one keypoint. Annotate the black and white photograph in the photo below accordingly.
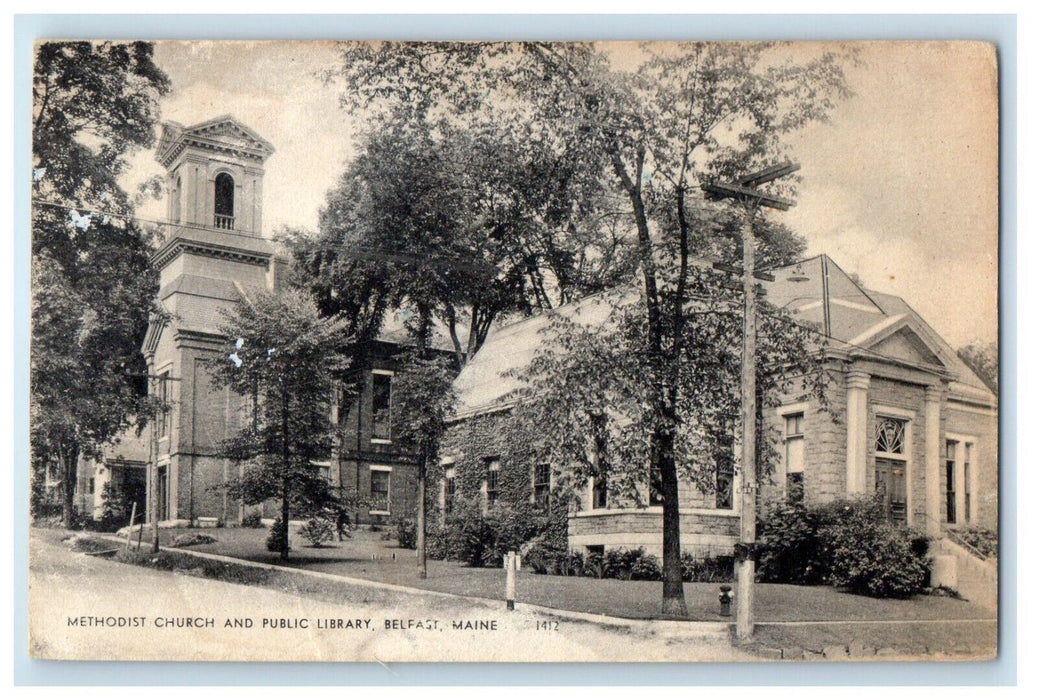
(526, 351)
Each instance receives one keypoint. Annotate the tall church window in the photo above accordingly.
(224, 201)
(381, 406)
(379, 494)
(165, 414)
(967, 455)
(175, 200)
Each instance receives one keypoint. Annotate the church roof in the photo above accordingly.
(820, 294)
(487, 380)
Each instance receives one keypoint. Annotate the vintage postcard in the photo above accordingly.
(529, 351)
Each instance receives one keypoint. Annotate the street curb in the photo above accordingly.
(690, 628)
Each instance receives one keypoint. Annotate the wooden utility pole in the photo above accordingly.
(153, 467)
(745, 192)
(746, 562)
(420, 519)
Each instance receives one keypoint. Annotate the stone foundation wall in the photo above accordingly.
(703, 534)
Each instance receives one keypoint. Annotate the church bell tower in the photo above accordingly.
(214, 174)
(213, 257)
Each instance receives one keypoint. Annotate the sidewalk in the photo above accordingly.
(799, 623)
(154, 595)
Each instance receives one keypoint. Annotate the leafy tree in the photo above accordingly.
(93, 104)
(982, 358)
(661, 119)
(586, 398)
(284, 358)
(426, 402)
(473, 218)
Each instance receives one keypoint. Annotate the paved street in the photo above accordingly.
(91, 608)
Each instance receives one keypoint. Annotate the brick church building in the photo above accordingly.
(214, 255)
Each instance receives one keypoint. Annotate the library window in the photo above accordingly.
(950, 450)
(542, 486)
(493, 480)
(449, 486)
(794, 457)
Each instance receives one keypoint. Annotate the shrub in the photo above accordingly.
(545, 553)
(869, 555)
(407, 534)
(707, 569)
(483, 539)
(252, 519)
(437, 544)
(594, 565)
(191, 539)
(542, 559)
(619, 563)
(846, 543)
(275, 535)
(573, 564)
(115, 510)
(983, 539)
(508, 528)
(317, 530)
(646, 568)
(788, 546)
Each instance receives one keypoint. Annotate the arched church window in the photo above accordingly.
(224, 208)
(175, 214)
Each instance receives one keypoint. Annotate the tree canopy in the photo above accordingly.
(93, 287)
(285, 359)
(655, 122)
(982, 358)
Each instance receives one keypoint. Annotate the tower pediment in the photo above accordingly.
(222, 134)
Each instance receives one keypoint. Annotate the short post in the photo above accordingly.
(129, 532)
(510, 580)
(140, 532)
(726, 601)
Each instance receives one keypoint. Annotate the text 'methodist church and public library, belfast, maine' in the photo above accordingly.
(906, 417)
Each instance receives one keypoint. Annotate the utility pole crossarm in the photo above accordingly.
(768, 174)
(724, 190)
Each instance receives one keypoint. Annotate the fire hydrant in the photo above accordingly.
(726, 598)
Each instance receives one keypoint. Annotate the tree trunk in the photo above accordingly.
(284, 479)
(662, 437)
(69, 460)
(673, 587)
(284, 520)
(420, 520)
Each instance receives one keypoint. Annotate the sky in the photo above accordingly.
(900, 186)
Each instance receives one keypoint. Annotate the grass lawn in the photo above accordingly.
(630, 599)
